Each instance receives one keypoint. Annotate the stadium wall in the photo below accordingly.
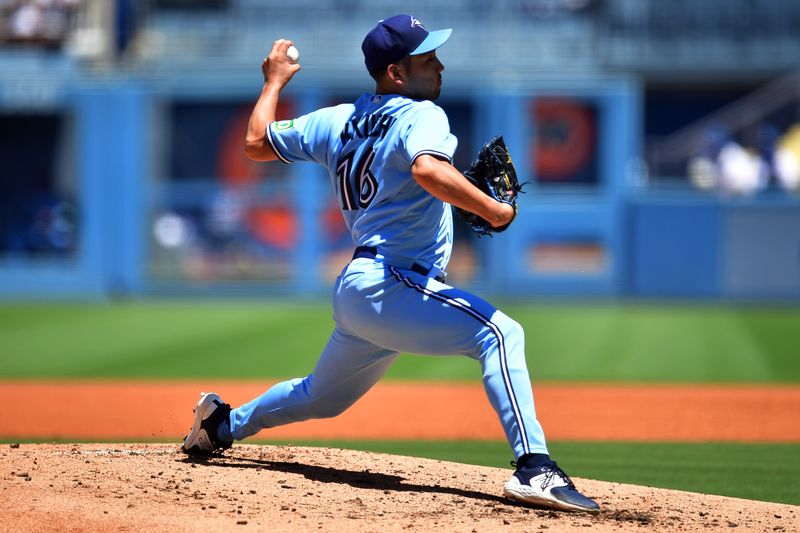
(145, 225)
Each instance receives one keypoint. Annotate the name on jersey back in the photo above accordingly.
(367, 125)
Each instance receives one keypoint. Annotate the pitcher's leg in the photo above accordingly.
(428, 317)
(508, 384)
(346, 370)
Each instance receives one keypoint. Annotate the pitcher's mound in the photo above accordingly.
(153, 487)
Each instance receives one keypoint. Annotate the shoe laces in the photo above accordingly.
(550, 470)
(553, 470)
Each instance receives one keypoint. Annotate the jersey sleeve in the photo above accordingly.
(429, 133)
(301, 139)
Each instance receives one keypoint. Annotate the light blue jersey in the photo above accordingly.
(368, 148)
(388, 300)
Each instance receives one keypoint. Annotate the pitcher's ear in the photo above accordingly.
(394, 73)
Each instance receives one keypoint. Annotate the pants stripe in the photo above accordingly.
(500, 341)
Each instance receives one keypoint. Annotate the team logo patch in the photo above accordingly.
(417, 24)
(284, 125)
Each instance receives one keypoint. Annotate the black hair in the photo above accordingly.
(378, 74)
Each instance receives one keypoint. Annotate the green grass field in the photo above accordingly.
(278, 340)
(572, 342)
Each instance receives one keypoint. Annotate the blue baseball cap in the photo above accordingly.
(399, 36)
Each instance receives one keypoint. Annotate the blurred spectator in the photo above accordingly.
(767, 137)
(787, 159)
(42, 225)
(742, 171)
(704, 173)
(40, 22)
(226, 216)
(725, 165)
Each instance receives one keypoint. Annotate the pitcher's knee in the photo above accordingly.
(504, 337)
(514, 331)
(510, 329)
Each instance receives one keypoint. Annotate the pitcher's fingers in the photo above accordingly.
(281, 46)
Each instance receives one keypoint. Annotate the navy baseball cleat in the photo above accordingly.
(209, 414)
(546, 485)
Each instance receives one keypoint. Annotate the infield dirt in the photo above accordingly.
(153, 487)
(161, 410)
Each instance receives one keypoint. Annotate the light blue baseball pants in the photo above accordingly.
(380, 311)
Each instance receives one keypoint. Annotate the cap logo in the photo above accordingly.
(417, 24)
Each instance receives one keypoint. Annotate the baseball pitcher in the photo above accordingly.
(389, 157)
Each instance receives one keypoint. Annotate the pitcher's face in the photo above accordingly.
(423, 76)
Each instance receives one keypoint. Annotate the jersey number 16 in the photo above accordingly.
(357, 185)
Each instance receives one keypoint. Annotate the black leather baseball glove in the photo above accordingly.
(493, 173)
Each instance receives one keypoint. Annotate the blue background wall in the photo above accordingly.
(616, 230)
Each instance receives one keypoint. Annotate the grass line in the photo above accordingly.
(770, 470)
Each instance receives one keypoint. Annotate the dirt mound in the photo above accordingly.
(153, 487)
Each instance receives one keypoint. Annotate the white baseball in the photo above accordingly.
(293, 54)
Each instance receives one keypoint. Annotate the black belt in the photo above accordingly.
(370, 252)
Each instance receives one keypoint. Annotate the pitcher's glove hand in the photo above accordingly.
(494, 174)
